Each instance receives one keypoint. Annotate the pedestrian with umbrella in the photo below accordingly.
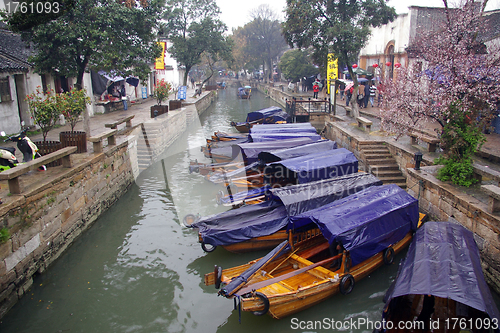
(315, 89)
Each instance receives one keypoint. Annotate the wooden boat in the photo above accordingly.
(440, 286)
(245, 92)
(247, 228)
(313, 266)
(270, 115)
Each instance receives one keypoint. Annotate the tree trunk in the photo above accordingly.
(186, 73)
(79, 86)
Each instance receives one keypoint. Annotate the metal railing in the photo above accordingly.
(300, 108)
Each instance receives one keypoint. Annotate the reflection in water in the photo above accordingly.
(138, 269)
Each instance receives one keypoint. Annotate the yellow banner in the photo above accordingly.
(332, 71)
(160, 62)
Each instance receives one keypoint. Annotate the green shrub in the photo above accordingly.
(459, 172)
(4, 235)
(460, 139)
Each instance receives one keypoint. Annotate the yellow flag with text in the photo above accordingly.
(160, 62)
(332, 71)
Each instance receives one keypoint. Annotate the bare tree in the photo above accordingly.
(265, 29)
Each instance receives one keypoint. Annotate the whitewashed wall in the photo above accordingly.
(397, 31)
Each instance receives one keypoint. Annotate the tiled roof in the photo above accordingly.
(14, 52)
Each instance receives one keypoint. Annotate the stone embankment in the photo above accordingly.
(56, 206)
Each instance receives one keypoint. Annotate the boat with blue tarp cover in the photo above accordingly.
(276, 155)
(249, 151)
(272, 155)
(263, 225)
(270, 115)
(276, 128)
(311, 167)
(299, 170)
(272, 136)
(358, 234)
(441, 281)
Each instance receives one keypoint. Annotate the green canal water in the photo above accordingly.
(138, 269)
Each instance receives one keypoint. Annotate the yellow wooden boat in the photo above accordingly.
(312, 267)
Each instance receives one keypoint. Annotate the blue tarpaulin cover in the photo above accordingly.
(443, 261)
(241, 224)
(251, 150)
(283, 154)
(317, 166)
(288, 125)
(266, 136)
(303, 197)
(277, 128)
(263, 113)
(367, 222)
(266, 218)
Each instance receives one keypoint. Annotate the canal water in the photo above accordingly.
(138, 269)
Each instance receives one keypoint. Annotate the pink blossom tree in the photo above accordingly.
(452, 79)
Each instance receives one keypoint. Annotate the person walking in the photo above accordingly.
(315, 89)
(348, 96)
(341, 90)
(367, 94)
(373, 92)
(123, 93)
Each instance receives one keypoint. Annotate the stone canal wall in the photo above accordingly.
(49, 216)
(444, 202)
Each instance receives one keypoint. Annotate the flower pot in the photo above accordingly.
(174, 104)
(47, 147)
(75, 138)
(160, 109)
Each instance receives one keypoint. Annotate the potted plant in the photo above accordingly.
(174, 104)
(161, 93)
(72, 104)
(45, 110)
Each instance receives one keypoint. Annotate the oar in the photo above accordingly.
(266, 283)
(281, 263)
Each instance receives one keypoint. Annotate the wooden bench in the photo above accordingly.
(97, 139)
(347, 112)
(494, 192)
(127, 120)
(364, 123)
(481, 171)
(12, 175)
(431, 142)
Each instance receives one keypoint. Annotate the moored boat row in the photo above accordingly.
(330, 225)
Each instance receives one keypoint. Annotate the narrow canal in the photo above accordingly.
(138, 269)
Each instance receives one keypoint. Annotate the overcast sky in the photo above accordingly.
(234, 14)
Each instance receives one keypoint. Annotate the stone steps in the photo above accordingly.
(379, 162)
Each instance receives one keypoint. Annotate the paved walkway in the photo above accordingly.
(141, 111)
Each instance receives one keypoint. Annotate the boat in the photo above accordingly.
(357, 234)
(270, 115)
(263, 225)
(311, 167)
(298, 170)
(268, 156)
(245, 92)
(441, 284)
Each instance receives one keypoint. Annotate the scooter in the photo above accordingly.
(26, 147)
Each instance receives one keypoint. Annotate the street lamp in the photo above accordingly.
(418, 159)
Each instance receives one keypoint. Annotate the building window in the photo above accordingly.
(5, 90)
